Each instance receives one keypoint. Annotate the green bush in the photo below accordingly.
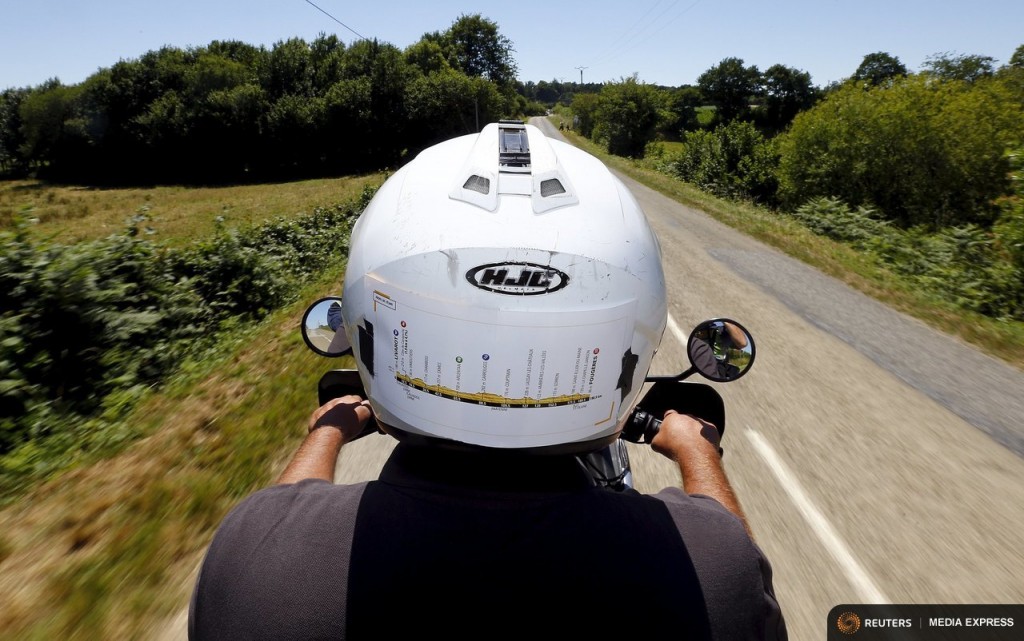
(1009, 233)
(921, 151)
(627, 116)
(83, 325)
(965, 265)
(733, 161)
(81, 321)
(833, 218)
(584, 113)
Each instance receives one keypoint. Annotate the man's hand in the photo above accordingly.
(347, 414)
(682, 435)
(693, 445)
(332, 425)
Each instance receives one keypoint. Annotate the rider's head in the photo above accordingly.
(504, 290)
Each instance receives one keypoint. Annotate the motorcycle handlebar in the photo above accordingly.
(641, 426)
(696, 399)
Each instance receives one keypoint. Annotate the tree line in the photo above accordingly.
(230, 111)
(926, 165)
(931, 150)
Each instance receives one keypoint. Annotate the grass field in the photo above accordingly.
(176, 214)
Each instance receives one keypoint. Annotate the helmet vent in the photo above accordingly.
(478, 184)
(513, 148)
(551, 187)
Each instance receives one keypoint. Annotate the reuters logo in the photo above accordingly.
(848, 623)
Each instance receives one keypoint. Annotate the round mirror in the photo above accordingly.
(322, 328)
(721, 350)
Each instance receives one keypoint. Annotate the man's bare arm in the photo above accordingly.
(693, 445)
(330, 427)
(736, 334)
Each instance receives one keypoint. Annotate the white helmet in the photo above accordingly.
(504, 290)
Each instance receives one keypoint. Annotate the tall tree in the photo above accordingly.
(683, 103)
(44, 114)
(878, 68)
(547, 92)
(627, 116)
(730, 86)
(250, 56)
(787, 92)
(11, 137)
(427, 55)
(1012, 73)
(289, 70)
(449, 103)
(1017, 59)
(477, 48)
(375, 132)
(950, 66)
(326, 57)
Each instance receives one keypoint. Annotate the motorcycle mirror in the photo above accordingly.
(721, 350)
(322, 328)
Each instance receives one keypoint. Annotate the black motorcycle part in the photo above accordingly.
(343, 382)
(695, 399)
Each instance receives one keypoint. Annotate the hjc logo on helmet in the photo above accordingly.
(517, 279)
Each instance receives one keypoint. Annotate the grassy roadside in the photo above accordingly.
(106, 551)
(1001, 339)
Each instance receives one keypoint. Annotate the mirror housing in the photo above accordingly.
(322, 328)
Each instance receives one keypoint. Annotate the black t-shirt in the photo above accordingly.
(453, 546)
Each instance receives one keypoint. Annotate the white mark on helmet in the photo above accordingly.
(453, 266)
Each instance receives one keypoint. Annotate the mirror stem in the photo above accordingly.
(658, 379)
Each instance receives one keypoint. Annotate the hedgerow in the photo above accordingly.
(971, 266)
(86, 328)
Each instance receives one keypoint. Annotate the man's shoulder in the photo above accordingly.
(308, 501)
(677, 498)
(278, 562)
(281, 526)
(700, 512)
(732, 568)
(710, 531)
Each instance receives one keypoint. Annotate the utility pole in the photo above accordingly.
(581, 73)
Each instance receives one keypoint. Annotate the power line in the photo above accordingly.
(628, 33)
(361, 36)
(641, 32)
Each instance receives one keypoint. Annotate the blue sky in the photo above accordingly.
(667, 42)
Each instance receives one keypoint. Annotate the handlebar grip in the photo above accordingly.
(645, 426)
(343, 382)
(642, 427)
(652, 429)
